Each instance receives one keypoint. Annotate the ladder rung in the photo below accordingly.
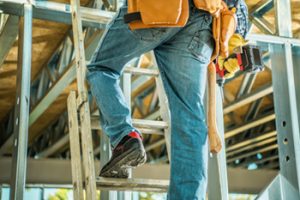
(138, 123)
(141, 71)
(96, 15)
(151, 131)
(150, 185)
(144, 123)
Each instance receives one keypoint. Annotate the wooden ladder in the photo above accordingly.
(81, 123)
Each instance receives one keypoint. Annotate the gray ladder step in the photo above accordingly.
(146, 185)
(141, 71)
(149, 126)
(144, 123)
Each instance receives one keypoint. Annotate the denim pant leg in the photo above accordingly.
(183, 64)
(118, 46)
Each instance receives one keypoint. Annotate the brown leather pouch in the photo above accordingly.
(223, 28)
(216, 30)
(149, 14)
(228, 27)
(212, 6)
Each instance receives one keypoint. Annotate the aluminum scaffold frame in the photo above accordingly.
(18, 177)
(284, 55)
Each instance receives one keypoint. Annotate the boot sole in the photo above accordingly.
(118, 168)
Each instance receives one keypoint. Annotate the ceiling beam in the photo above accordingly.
(249, 125)
(252, 146)
(261, 150)
(251, 141)
(246, 99)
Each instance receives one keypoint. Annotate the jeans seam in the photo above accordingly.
(107, 29)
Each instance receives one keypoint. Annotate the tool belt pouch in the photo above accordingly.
(224, 26)
(212, 6)
(152, 14)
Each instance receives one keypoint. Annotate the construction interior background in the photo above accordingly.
(260, 111)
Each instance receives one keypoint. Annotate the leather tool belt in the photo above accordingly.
(152, 14)
(175, 13)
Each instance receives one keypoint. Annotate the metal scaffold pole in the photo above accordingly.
(18, 177)
(217, 168)
(284, 59)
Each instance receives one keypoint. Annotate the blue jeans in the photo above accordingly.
(182, 55)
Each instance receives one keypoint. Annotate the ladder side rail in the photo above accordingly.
(86, 139)
(127, 94)
(75, 147)
(164, 108)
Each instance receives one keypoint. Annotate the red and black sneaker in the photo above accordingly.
(128, 153)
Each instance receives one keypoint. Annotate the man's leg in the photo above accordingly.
(183, 64)
(118, 46)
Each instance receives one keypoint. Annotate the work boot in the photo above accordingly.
(128, 153)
